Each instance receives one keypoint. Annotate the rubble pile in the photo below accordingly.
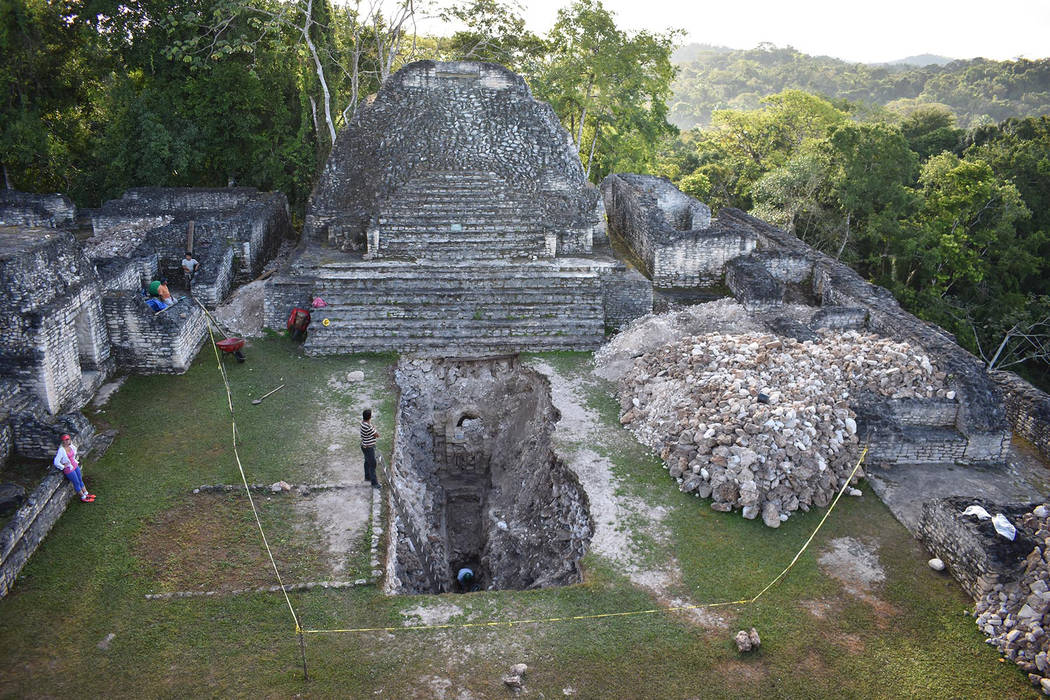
(761, 422)
(1014, 615)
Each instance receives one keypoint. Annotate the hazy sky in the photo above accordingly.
(868, 30)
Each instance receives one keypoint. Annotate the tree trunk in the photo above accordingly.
(583, 116)
(594, 143)
(307, 22)
(845, 237)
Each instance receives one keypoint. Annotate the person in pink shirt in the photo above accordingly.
(66, 460)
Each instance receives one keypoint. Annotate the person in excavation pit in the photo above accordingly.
(369, 437)
(66, 460)
(466, 581)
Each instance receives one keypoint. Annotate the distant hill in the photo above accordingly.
(979, 91)
(923, 59)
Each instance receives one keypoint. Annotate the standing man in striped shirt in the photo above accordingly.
(369, 436)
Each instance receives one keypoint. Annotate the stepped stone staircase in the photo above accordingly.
(458, 308)
(459, 215)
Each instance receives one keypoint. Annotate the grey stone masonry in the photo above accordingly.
(453, 217)
(156, 220)
(458, 117)
(981, 431)
(461, 308)
(36, 210)
(974, 553)
(1028, 410)
(30, 524)
(153, 342)
(671, 233)
(53, 338)
(36, 435)
(459, 215)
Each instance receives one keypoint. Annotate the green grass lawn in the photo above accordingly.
(147, 533)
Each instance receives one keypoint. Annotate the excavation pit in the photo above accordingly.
(474, 481)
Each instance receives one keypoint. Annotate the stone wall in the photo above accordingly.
(157, 220)
(671, 233)
(212, 284)
(36, 435)
(149, 342)
(30, 524)
(454, 117)
(127, 274)
(53, 338)
(37, 210)
(974, 553)
(284, 294)
(626, 295)
(1027, 409)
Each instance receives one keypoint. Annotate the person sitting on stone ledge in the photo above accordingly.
(165, 294)
(66, 460)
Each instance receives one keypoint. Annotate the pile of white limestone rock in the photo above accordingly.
(1015, 615)
(761, 422)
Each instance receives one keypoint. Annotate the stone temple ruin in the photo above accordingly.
(73, 314)
(453, 220)
(453, 217)
(475, 481)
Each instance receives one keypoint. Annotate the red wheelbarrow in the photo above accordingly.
(231, 346)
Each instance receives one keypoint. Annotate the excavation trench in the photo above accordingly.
(475, 482)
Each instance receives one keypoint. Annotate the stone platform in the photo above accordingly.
(463, 308)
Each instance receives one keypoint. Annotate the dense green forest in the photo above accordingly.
(955, 222)
(101, 95)
(933, 182)
(977, 91)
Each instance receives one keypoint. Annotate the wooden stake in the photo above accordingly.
(302, 651)
(189, 237)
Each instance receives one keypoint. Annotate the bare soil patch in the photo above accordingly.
(210, 542)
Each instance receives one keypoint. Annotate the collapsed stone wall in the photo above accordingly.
(474, 480)
(981, 419)
(766, 423)
(454, 117)
(975, 555)
(1009, 580)
(1027, 409)
(671, 233)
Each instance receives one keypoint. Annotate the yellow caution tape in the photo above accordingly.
(299, 630)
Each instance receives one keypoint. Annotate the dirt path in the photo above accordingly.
(580, 428)
(341, 515)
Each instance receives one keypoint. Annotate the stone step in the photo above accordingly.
(514, 314)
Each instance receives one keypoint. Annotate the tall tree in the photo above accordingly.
(609, 88)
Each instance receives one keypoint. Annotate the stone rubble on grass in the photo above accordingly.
(1015, 615)
(762, 422)
(747, 641)
(280, 486)
(936, 564)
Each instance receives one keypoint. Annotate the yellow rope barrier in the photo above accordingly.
(597, 616)
(504, 623)
(240, 467)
